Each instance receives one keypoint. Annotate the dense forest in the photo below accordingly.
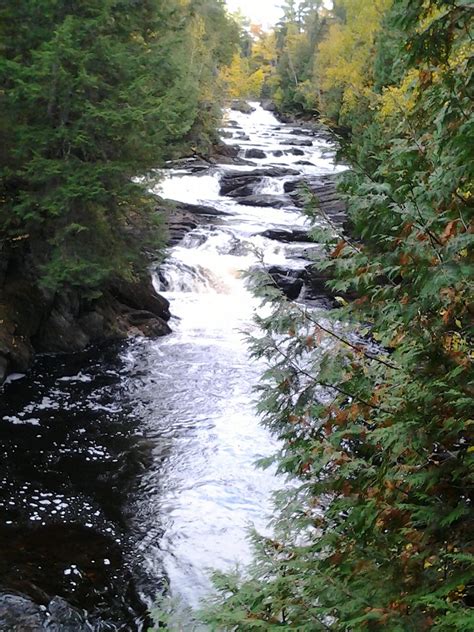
(372, 403)
(95, 94)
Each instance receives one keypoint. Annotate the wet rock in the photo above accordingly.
(241, 106)
(60, 331)
(179, 224)
(3, 368)
(55, 571)
(255, 153)
(268, 105)
(278, 153)
(266, 201)
(235, 179)
(289, 281)
(287, 236)
(297, 142)
(302, 131)
(93, 324)
(140, 295)
(64, 618)
(325, 194)
(242, 191)
(294, 185)
(185, 217)
(19, 614)
(316, 281)
(297, 152)
(193, 164)
(230, 183)
(199, 209)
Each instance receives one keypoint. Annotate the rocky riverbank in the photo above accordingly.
(35, 320)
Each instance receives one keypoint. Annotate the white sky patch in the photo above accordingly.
(265, 12)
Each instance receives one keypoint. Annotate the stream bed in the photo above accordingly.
(128, 470)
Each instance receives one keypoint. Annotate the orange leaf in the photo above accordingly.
(338, 249)
(449, 231)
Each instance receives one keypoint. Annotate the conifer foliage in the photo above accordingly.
(94, 93)
(372, 402)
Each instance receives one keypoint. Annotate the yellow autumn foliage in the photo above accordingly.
(343, 59)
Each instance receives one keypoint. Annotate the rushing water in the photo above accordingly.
(141, 457)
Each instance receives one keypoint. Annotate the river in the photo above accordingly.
(129, 469)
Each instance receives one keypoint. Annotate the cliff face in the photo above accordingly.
(36, 320)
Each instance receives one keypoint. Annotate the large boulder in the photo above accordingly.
(268, 105)
(287, 236)
(243, 191)
(296, 152)
(199, 209)
(232, 180)
(254, 152)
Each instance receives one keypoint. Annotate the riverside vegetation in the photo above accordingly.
(372, 402)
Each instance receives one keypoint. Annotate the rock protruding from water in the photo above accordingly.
(289, 281)
(287, 236)
(264, 201)
(254, 152)
(244, 107)
(325, 196)
(20, 614)
(297, 142)
(232, 180)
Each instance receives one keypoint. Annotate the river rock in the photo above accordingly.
(289, 281)
(278, 153)
(242, 191)
(242, 106)
(199, 209)
(298, 142)
(266, 201)
(268, 105)
(232, 180)
(3, 368)
(302, 131)
(255, 153)
(287, 236)
(296, 152)
(18, 613)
